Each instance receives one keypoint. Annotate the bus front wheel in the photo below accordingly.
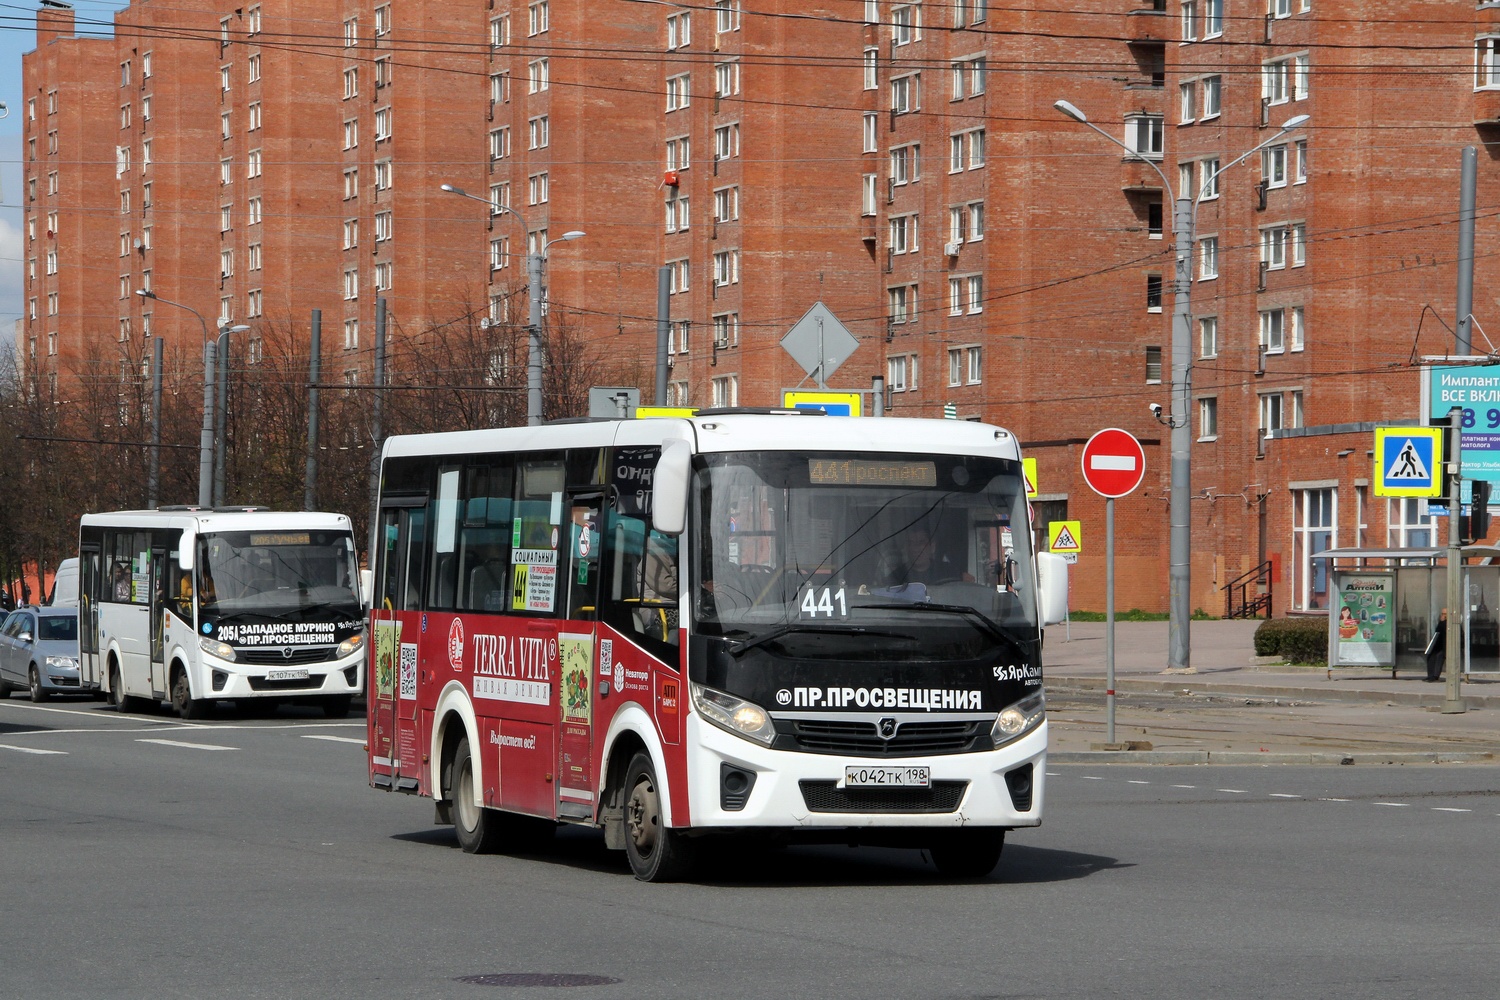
(117, 696)
(656, 853)
(477, 827)
(968, 853)
(183, 701)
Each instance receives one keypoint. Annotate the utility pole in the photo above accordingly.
(154, 485)
(379, 400)
(206, 439)
(663, 330)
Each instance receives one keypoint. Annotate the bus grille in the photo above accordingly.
(273, 655)
(863, 740)
(825, 797)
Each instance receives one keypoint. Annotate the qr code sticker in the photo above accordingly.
(606, 656)
(408, 670)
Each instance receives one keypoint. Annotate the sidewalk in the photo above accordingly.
(1236, 708)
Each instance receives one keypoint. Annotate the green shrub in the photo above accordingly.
(1296, 640)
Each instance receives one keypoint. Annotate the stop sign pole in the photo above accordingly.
(1114, 463)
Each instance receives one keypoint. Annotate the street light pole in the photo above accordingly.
(534, 261)
(1184, 223)
(221, 423)
(206, 438)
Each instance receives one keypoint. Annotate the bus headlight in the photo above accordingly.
(1019, 719)
(350, 644)
(738, 716)
(214, 647)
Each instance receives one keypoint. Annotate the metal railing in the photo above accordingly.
(1244, 596)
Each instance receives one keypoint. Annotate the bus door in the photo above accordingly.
(400, 537)
(88, 614)
(577, 654)
(158, 597)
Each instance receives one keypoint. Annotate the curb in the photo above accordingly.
(1252, 757)
(1420, 699)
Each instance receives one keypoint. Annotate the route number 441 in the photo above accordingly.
(824, 602)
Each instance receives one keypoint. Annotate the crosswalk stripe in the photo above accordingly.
(33, 750)
(191, 746)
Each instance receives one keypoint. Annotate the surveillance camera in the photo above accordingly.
(1155, 410)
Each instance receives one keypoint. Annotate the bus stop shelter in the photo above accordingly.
(1385, 605)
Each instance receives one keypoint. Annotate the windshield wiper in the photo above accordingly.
(745, 645)
(340, 606)
(985, 623)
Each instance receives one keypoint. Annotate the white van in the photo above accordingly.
(65, 584)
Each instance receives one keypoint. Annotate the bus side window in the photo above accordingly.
(484, 541)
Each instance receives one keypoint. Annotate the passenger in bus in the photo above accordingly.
(919, 561)
(206, 593)
(185, 597)
(487, 581)
(121, 583)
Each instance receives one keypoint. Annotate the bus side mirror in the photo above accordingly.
(669, 487)
(1052, 587)
(186, 546)
(366, 585)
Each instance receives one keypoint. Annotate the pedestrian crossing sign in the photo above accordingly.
(1409, 461)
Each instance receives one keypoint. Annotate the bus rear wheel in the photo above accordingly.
(656, 853)
(478, 828)
(968, 854)
(183, 701)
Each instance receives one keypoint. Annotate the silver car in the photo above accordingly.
(39, 651)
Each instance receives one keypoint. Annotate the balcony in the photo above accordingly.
(1148, 24)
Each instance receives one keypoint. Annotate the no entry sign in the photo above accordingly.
(1114, 463)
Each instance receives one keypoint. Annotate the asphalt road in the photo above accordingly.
(246, 857)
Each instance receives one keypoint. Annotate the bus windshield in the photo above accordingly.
(928, 555)
(278, 573)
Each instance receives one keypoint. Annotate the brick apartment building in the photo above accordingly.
(901, 163)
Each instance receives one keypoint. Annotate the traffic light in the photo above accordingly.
(1479, 510)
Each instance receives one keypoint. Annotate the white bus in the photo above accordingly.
(782, 624)
(194, 606)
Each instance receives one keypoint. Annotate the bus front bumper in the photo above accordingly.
(803, 791)
(232, 680)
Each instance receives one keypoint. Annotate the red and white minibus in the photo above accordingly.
(803, 626)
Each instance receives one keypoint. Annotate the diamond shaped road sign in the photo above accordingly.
(819, 343)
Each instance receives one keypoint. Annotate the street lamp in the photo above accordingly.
(1184, 221)
(221, 428)
(206, 437)
(534, 302)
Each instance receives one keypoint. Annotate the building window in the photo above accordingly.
(384, 224)
(678, 273)
(726, 390)
(1144, 135)
(902, 303)
(867, 194)
(252, 163)
(351, 341)
(382, 175)
(726, 79)
(726, 330)
(1208, 418)
(253, 303)
(726, 141)
(351, 183)
(974, 285)
(382, 20)
(905, 96)
(679, 153)
(351, 32)
(1190, 21)
(974, 356)
(1299, 173)
(537, 76)
(252, 211)
(872, 69)
(383, 72)
(382, 124)
(726, 267)
(499, 253)
(906, 24)
(252, 257)
(1272, 334)
(351, 284)
(224, 79)
(500, 31)
(351, 83)
(351, 133)
(678, 91)
(536, 187)
(252, 113)
(226, 263)
(1211, 86)
(1314, 530)
(678, 212)
(1408, 525)
(1208, 258)
(678, 333)
(1187, 103)
(1213, 18)
(726, 15)
(351, 234)
(538, 18)
(1210, 184)
(1153, 293)
(536, 130)
(1299, 244)
(499, 143)
(726, 204)
(1153, 366)
(499, 198)
(1273, 242)
(1298, 334)
(1275, 87)
(903, 234)
(253, 69)
(679, 30)
(1273, 165)
(1487, 62)
(1208, 336)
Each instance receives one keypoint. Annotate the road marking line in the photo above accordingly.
(334, 739)
(1093, 777)
(1233, 791)
(1394, 805)
(32, 750)
(1333, 800)
(1134, 782)
(1284, 795)
(1052, 774)
(192, 746)
(1184, 786)
(1449, 809)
